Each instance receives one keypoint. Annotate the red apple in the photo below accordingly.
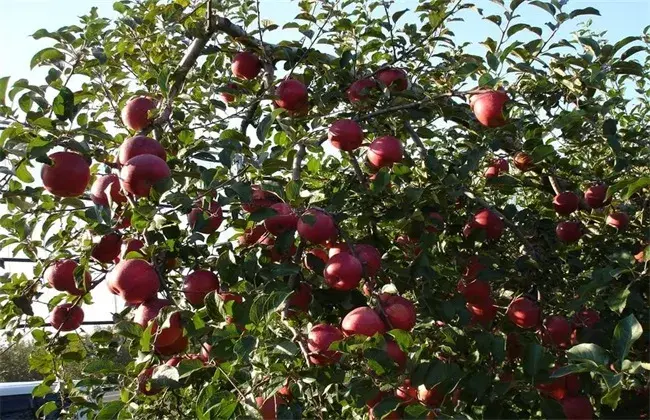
(577, 408)
(246, 65)
(385, 151)
(66, 317)
(399, 312)
(269, 407)
(345, 135)
(284, 221)
(101, 185)
(136, 112)
(211, 218)
(430, 397)
(131, 245)
(260, 199)
(198, 284)
(409, 245)
(148, 311)
(407, 392)
(468, 229)
(556, 332)
(300, 298)
(393, 78)
(586, 318)
(595, 196)
(483, 313)
(228, 97)
(362, 321)
(524, 312)
(566, 203)
(343, 272)
(292, 95)
(317, 226)
(502, 165)
(142, 172)
(493, 225)
(569, 232)
(204, 354)
(475, 291)
(523, 161)
(140, 145)
(491, 172)
(317, 253)
(252, 236)
(177, 347)
(618, 220)
(67, 176)
(60, 275)
(275, 254)
(395, 353)
(108, 248)
(319, 340)
(144, 386)
(473, 268)
(370, 258)
(488, 108)
(136, 281)
(361, 90)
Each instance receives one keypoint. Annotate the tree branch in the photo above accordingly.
(554, 184)
(415, 137)
(357, 169)
(297, 162)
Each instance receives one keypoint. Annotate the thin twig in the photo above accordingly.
(297, 162)
(357, 169)
(555, 185)
(415, 137)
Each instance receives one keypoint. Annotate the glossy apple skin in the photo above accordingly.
(198, 284)
(136, 281)
(556, 332)
(343, 271)
(319, 339)
(618, 220)
(395, 353)
(488, 108)
(148, 311)
(67, 176)
(524, 313)
(322, 230)
(177, 347)
(393, 78)
(60, 275)
(260, 199)
(475, 291)
(595, 196)
(212, 216)
(300, 299)
(568, 232)
(523, 161)
(99, 187)
(108, 248)
(246, 65)
(566, 203)
(362, 321)
(66, 317)
(284, 221)
(360, 90)
(140, 145)
(577, 408)
(399, 312)
(292, 95)
(490, 222)
(345, 135)
(385, 151)
(142, 172)
(483, 313)
(136, 112)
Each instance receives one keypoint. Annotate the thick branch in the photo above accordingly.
(555, 185)
(297, 162)
(414, 136)
(357, 169)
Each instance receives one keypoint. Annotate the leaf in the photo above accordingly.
(4, 81)
(533, 359)
(628, 67)
(63, 105)
(623, 42)
(515, 3)
(492, 60)
(287, 347)
(633, 50)
(636, 186)
(292, 190)
(47, 54)
(540, 152)
(591, 43)
(398, 15)
(264, 305)
(23, 173)
(627, 331)
(588, 352)
(262, 214)
(546, 6)
(568, 370)
(618, 300)
(264, 127)
(521, 26)
(612, 398)
(110, 410)
(585, 11)
(242, 190)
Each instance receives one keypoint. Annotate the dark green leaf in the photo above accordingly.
(627, 331)
(585, 11)
(588, 352)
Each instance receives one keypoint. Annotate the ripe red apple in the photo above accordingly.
(343, 272)
(211, 218)
(586, 318)
(316, 253)
(246, 65)
(136, 112)
(319, 340)
(136, 281)
(300, 298)
(317, 227)
(410, 246)
(475, 291)
(361, 90)
(108, 248)
(393, 78)
(618, 220)
(198, 284)
(228, 97)
(363, 321)
(274, 253)
(523, 161)
(493, 225)
(524, 312)
(60, 275)
(67, 176)
(177, 347)
(368, 255)
(482, 313)
(260, 199)
(556, 332)
(292, 95)
(473, 268)
(569, 232)
(131, 245)
(252, 236)
(103, 183)
(566, 203)
(491, 172)
(488, 108)
(399, 311)
(142, 172)
(345, 135)
(140, 145)
(66, 317)
(395, 353)
(269, 407)
(502, 165)
(284, 221)
(144, 386)
(407, 392)
(468, 229)
(577, 408)
(595, 196)
(385, 151)
(430, 397)
(148, 311)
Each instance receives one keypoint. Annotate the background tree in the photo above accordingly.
(242, 243)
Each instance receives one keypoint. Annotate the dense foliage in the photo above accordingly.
(517, 241)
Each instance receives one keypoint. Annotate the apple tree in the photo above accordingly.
(359, 214)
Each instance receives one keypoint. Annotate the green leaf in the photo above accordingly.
(540, 152)
(110, 410)
(262, 214)
(23, 173)
(243, 190)
(628, 67)
(591, 43)
(4, 81)
(264, 127)
(515, 3)
(543, 5)
(585, 11)
(47, 54)
(63, 105)
(618, 300)
(264, 305)
(292, 190)
(287, 347)
(588, 352)
(533, 359)
(627, 331)
(612, 398)
(633, 50)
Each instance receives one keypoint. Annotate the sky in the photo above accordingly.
(21, 18)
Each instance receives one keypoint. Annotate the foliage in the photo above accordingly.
(579, 108)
